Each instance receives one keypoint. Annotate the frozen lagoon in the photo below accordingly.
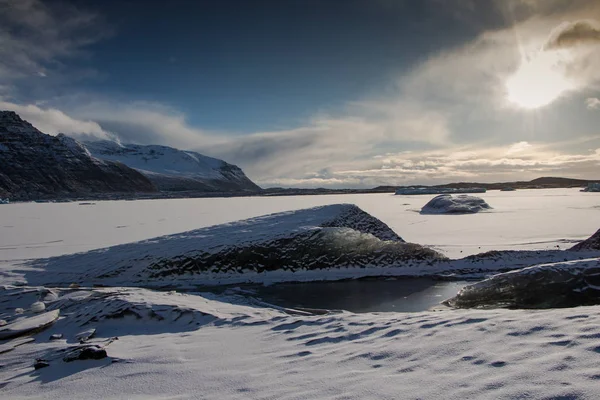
(522, 220)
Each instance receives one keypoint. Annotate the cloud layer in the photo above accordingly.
(446, 118)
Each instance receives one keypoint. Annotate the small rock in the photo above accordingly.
(41, 364)
(19, 310)
(74, 286)
(92, 352)
(2, 322)
(56, 336)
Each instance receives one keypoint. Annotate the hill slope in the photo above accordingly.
(171, 169)
(34, 165)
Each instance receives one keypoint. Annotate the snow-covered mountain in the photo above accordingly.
(34, 165)
(172, 169)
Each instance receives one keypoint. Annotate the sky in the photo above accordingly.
(330, 93)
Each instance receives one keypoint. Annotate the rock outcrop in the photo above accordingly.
(34, 165)
(591, 243)
(455, 204)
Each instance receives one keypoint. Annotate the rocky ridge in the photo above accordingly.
(34, 165)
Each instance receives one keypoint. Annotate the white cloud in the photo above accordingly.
(448, 118)
(482, 164)
(518, 147)
(145, 123)
(53, 121)
(592, 103)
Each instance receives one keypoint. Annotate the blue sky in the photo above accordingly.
(319, 93)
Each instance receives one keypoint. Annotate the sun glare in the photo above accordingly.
(537, 83)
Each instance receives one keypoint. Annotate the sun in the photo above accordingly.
(537, 82)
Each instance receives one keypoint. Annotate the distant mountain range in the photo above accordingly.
(539, 183)
(171, 169)
(36, 166)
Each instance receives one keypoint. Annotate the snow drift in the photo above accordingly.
(327, 237)
(455, 204)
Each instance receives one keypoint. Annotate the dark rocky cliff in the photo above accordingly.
(34, 165)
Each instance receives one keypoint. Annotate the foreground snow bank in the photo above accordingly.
(455, 204)
(322, 238)
(225, 350)
(565, 284)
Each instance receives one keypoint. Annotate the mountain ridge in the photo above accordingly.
(34, 165)
(175, 170)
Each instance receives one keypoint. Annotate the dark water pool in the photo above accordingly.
(360, 296)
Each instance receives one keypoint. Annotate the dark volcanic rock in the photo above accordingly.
(39, 364)
(88, 352)
(455, 204)
(591, 243)
(566, 284)
(34, 165)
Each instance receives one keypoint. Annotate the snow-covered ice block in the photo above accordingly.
(327, 237)
(25, 325)
(564, 284)
(455, 204)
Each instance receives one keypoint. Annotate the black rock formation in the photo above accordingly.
(34, 165)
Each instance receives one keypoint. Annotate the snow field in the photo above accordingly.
(249, 352)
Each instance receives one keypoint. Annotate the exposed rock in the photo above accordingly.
(566, 284)
(87, 352)
(455, 204)
(39, 364)
(34, 165)
(171, 169)
(56, 336)
(591, 243)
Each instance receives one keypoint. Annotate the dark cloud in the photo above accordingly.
(38, 39)
(574, 33)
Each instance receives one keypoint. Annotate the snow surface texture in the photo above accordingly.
(329, 237)
(173, 169)
(565, 284)
(173, 345)
(455, 204)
